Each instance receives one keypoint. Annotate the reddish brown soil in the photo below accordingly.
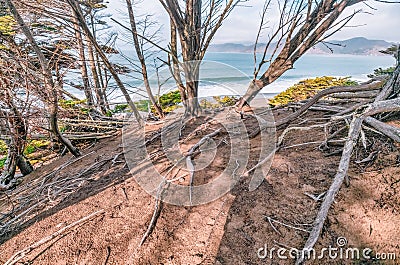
(229, 230)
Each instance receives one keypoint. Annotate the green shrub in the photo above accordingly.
(170, 101)
(29, 149)
(109, 113)
(205, 104)
(3, 152)
(3, 147)
(171, 98)
(224, 101)
(120, 108)
(380, 72)
(2, 162)
(69, 104)
(143, 105)
(35, 145)
(308, 88)
(7, 24)
(84, 110)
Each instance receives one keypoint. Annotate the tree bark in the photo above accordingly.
(175, 64)
(76, 8)
(95, 77)
(192, 72)
(10, 165)
(82, 63)
(24, 166)
(139, 52)
(390, 131)
(318, 22)
(252, 91)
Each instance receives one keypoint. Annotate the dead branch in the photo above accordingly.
(354, 132)
(316, 107)
(92, 136)
(189, 162)
(22, 253)
(371, 157)
(289, 129)
(362, 94)
(315, 198)
(390, 131)
(156, 214)
(270, 220)
(365, 86)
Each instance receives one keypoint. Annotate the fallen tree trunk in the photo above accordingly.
(378, 106)
(362, 94)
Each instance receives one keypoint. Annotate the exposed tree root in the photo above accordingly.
(22, 253)
(189, 163)
(378, 106)
(354, 132)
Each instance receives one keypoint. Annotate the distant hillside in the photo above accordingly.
(361, 46)
(357, 46)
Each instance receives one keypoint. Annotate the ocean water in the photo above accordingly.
(309, 66)
(230, 74)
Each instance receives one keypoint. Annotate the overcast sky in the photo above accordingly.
(242, 24)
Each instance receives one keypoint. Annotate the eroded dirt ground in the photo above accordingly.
(229, 230)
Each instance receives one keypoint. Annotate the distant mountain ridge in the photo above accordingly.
(356, 46)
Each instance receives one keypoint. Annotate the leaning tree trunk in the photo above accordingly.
(309, 33)
(48, 80)
(139, 52)
(77, 10)
(95, 76)
(174, 67)
(82, 64)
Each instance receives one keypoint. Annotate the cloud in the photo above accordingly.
(242, 24)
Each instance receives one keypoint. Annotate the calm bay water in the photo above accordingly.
(230, 73)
